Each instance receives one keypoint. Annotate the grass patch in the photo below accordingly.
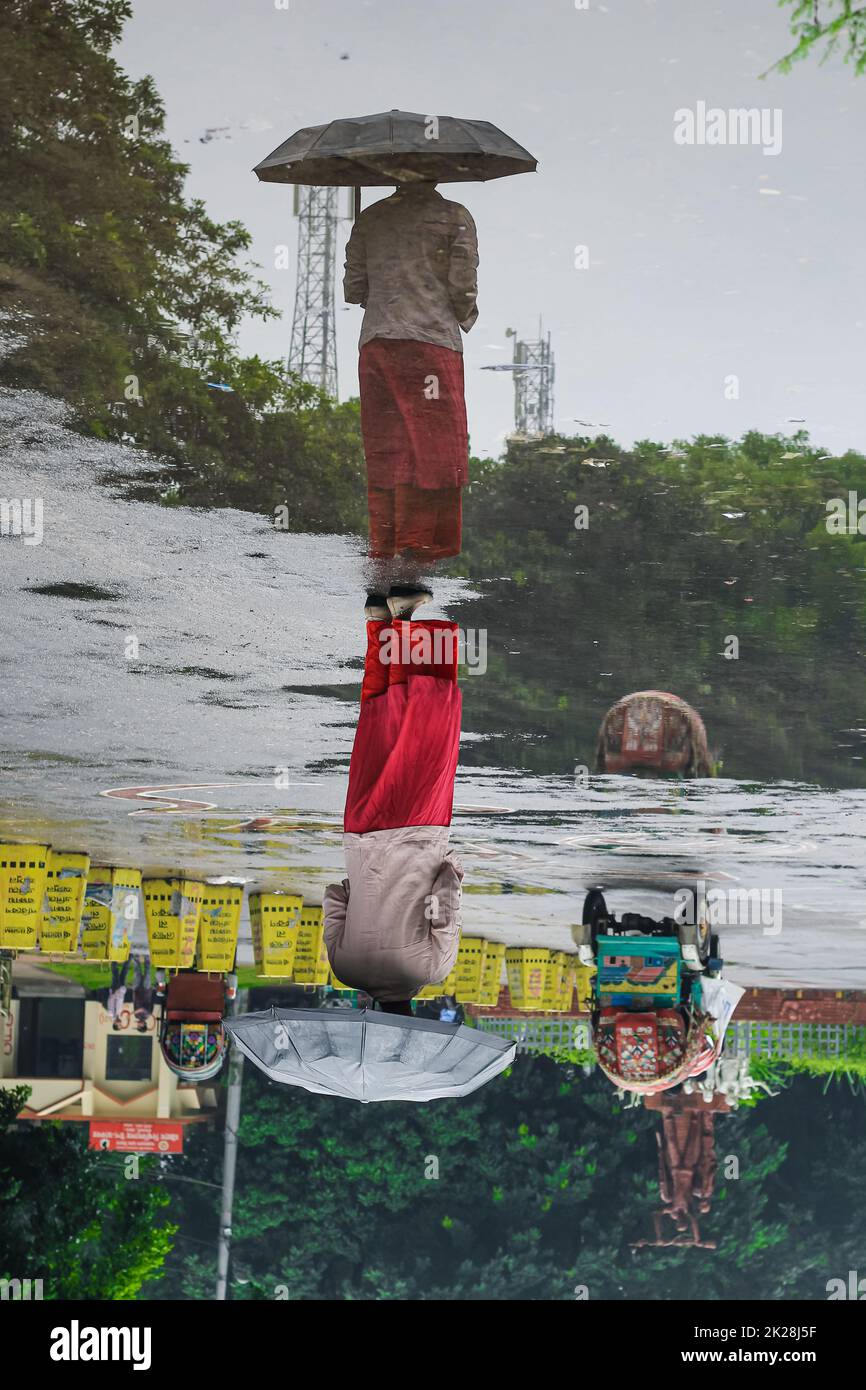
(91, 974)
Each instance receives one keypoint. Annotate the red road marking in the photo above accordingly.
(177, 805)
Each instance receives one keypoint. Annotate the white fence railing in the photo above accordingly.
(755, 1039)
(540, 1034)
(746, 1039)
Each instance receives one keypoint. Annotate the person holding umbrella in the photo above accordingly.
(393, 925)
(411, 263)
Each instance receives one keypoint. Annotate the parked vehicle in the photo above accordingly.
(659, 1006)
(655, 732)
(192, 1037)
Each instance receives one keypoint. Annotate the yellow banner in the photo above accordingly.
(22, 895)
(219, 925)
(112, 906)
(65, 885)
(312, 966)
(469, 969)
(172, 910)
(526, 967)
(494, 959)
(275, 922)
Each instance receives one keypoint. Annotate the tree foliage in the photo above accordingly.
(828, 27)
(682, 548)
(129, 295)
(544, 1184)
(69, 1217)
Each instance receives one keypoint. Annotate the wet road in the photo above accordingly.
(146, 646)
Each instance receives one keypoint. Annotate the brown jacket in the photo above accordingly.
(412, 262)
(393, 925)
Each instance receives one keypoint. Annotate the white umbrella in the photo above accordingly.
(364, 1055)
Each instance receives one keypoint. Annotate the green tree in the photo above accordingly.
(68, 1218)
(827, 26)
(544, 1185)
(129, 294)
(683, 546)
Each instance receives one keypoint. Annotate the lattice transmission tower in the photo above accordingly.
(313, 351)
(534, 370)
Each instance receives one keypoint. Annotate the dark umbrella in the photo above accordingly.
(395, 147)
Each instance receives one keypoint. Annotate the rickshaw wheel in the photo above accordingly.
(705, 941)
(594, 906)
(696, 932)
(594, 910)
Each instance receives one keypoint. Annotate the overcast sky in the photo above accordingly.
(706, 261)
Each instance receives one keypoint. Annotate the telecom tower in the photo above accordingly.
(313, 353)
(533, 368)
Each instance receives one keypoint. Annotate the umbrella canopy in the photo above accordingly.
(369, 1056)
(395, 147)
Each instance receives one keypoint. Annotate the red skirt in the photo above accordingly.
(413, 415)
(422, 522)
(404, 759)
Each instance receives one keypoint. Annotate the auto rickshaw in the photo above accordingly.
(191, 1036)
(653, 731)
(654, 1009)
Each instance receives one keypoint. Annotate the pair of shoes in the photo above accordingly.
(403, 599)
(401, 602)
(376, 608)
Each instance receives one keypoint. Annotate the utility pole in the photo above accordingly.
(230, 1156)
